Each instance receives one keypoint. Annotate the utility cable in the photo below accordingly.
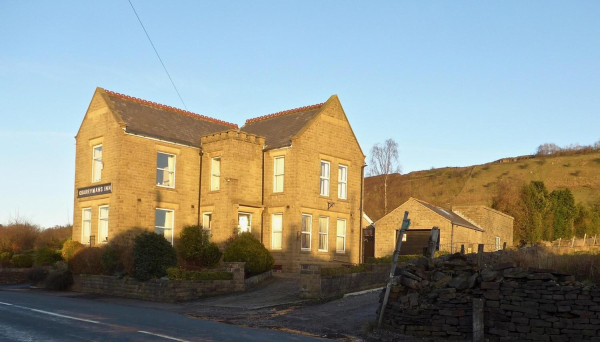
(157, 55)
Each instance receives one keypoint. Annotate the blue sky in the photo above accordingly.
(454, 83)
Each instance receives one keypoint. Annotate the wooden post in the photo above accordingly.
(478, 335)
(595, 240)
(480, 255)
(388, 288)
(572, 242)
(462, 249)
(559, 240)
(434, 238)
(584, 236)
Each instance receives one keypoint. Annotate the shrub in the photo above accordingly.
(22, 260)
(246, 248)
(69, 248)
(126, 259)
(152, 255)
(109, 260)
(179, 274)
(86, 261)
(5, 256)
(192, 243)
(343, 270)
(46, 256)
(59, 280)
(212, 255)
(37, 275)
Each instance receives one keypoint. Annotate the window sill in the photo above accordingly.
(168, 188)
(305, 251)
(214, 191)
(322, 251)
(324, 197)
(340, 252)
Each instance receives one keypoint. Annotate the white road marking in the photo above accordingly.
(86, 320)
(163, 336)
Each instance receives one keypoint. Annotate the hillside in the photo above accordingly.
(478, 184)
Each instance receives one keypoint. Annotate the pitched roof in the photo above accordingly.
(279, 128)
(450, 215)
(164, 122)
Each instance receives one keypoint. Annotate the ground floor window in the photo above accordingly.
(497, 243)
(86, 225)
(277, 231)
(244, 222)
(340, 240)
(164, 220)
(306, 232)
(323, 233)
(207, 222)
(103, 223)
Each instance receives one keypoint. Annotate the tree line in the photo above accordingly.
(549, 149)
(541, 215)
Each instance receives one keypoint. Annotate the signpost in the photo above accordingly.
(403, 228)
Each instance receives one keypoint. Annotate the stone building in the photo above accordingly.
(293, 179)
(463, 225)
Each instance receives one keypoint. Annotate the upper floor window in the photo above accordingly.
(278, 170)
(305, 237)
(324, 178)
(164, 220)
(277, 231)
(97, 165)
(342, 182)
(103, 223)
(86, 225)
(340, 240)
(165, 169)
(215, 173)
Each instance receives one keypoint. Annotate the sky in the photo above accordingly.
(454, 83)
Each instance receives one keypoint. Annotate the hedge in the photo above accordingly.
(179, 274)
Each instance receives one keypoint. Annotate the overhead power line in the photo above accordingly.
(157, 55)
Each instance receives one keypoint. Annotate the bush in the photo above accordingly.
(46, 256)
(152, 255)
(126, 259)
(69, 248)
(109, 260)
(59, 280)
(343, 270)
(87, 261)
(37, 275)
(212, 255)
(5, 256)
(22, 260)
(192, 243)
(179, 274)
(246, 248)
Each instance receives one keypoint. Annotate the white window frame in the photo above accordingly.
(337, 236)
(277, 175)
(209, 229)
(97, 160)
(100, 220)
(165, 227)
(166, 169)
(497, 242)
(249, 221)
(342, 182)
(273, 232)
(306, 232)
(326, 233)
(324, 180)
(83, 220)
(213, 186)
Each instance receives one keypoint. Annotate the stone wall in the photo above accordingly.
(161, 290)
(314, 285)
(436, 300)
(13, 275)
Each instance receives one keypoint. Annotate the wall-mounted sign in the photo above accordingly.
(95, 190)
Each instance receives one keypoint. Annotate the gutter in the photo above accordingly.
(201, 154)
(360, 208)
(262, 198)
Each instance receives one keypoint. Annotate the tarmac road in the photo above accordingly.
(27, 316)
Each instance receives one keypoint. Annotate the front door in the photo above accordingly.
(244, 222)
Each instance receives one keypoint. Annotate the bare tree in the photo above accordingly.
(384, 162)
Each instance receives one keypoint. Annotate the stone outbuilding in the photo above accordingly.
(464, 225)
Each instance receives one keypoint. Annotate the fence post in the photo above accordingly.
(559, 239)
(584, 236)
(478, 320)
(434, 239)
(573, 242)
(480, 255)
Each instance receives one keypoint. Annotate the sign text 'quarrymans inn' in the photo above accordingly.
(95, 190)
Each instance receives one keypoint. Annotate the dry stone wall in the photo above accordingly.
(435, 299)
(13, 275)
